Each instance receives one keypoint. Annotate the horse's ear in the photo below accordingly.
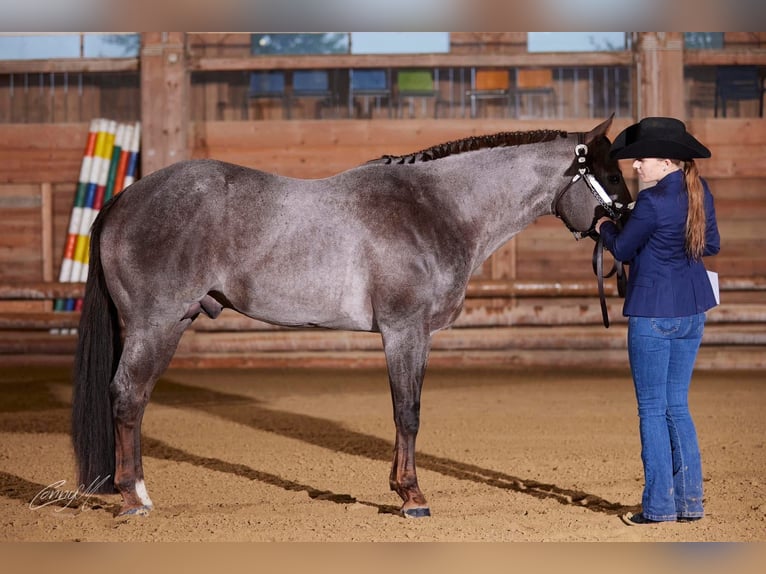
(600, 130)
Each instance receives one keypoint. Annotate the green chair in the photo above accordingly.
(415, 84)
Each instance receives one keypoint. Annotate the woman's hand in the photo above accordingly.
(597, 227)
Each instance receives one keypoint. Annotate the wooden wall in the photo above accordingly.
(40, 163)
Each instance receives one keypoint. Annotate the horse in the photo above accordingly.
(387, 246)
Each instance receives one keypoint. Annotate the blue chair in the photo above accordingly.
(369, 84)
(269, 85)
(738, 83)
(312, 84)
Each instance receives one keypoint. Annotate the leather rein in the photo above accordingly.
(613, 210)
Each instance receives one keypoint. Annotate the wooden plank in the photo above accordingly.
(421, 132)
(738, 132)
(709, 358)
(451, 60)
(46, 224)
(44, 136)
(748, 319)
(727, 57)
(20, 234)
(71, 65)
(486, 288)
(585, 337)
(736, 189)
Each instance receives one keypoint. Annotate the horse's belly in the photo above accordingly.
(301, 305)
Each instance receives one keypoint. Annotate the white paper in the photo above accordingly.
(713, 276)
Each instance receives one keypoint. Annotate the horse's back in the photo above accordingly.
(279, 249)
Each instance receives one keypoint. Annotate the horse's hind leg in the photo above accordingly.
(406, 356)
(146, 354)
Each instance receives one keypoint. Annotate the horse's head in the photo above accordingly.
(595, 187)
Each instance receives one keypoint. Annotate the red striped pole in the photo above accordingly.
(111, 180)
(99, 174)
(122, 166)
(110, 164)
(65, 273)
(135, 144)
(104, 191)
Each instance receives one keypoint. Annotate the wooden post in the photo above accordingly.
(164, 100)
(46, 221)
(660, 71)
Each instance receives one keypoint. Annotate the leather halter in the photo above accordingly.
(594, 187)
(598, 269)
(612, 210)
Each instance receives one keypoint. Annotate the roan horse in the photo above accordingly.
(388, 247)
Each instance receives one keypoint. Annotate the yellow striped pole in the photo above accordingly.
(99, 174)
(65, 273)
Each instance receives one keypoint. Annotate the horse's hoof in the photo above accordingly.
(136, 511)
(421, 512)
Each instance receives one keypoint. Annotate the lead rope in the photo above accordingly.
(598, 269)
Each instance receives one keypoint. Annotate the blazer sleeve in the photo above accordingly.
(712, 238)
(637, 231)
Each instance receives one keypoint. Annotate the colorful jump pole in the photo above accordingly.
(104, 192)
(109, 164)
(99, 174)
(132, 169)
(65, 273)
(122, 165)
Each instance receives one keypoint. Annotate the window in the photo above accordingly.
(399, 42)
(576, 41)
(296, 44)
(354, 43)
(703, 40)
(47, 46)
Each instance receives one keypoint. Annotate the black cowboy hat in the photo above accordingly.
(664, 138)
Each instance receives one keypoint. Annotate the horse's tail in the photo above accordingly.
(96, 358)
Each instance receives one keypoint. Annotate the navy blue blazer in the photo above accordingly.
(662, 280)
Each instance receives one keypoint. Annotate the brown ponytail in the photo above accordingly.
(696, 221)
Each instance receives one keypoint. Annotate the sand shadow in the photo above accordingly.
(329, 434)
(32, 408)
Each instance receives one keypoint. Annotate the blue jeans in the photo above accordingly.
(662, 352)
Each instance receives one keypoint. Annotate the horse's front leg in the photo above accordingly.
(406, 356)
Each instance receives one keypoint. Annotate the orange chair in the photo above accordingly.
(488, 84)
(531, 83)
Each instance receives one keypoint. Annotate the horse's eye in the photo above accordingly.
(613, 179)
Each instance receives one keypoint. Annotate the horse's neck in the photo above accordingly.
(507, 190)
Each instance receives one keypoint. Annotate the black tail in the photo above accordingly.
(98, 352)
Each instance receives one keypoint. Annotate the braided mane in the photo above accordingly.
(472, 143)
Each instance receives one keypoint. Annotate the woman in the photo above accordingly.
(673, 225)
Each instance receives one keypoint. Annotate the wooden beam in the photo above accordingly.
(46, 224)
(164, 101)
(547, 59)
(48, 350)
(36, 290)
(660, 67)
(556, 314)
(727, 57)
(70, 65)
(729, 358)
(40, 290)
